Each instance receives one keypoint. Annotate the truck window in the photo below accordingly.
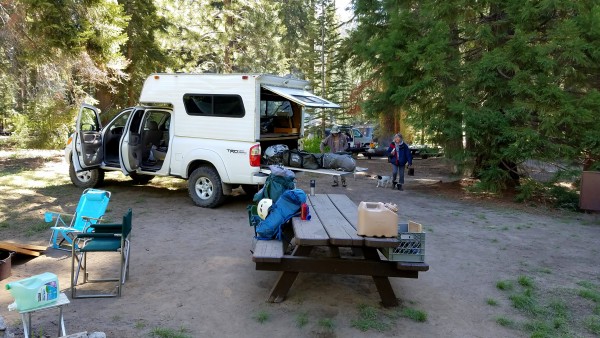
(214, 105)
(120, 121)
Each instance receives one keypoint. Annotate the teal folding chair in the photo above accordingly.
(90, 210)
(106, 237)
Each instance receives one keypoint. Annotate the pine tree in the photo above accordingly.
(516, 79)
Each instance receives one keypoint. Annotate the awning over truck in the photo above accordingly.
(302, 97)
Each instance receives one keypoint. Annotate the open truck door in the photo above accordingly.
(130, 154)
(88, 150)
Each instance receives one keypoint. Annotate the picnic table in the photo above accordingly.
(333, 225)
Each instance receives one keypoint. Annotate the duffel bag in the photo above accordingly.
(300, 159)
(343, 162)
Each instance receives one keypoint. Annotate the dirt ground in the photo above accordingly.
(192, 271)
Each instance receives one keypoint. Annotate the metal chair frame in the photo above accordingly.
(105, 238)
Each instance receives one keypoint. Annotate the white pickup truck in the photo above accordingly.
(206, 128)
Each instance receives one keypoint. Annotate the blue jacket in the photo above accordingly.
(401, 157)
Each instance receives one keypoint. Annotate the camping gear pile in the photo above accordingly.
(276, 203)
(281, 154)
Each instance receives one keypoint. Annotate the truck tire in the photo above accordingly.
(140, 179)
(204, 187)
(92, 178)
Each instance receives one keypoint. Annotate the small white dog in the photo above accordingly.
(384, 181)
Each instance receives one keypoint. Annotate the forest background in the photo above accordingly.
(496, 83)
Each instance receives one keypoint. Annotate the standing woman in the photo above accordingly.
(398, 155)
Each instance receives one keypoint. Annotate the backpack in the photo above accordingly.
(279, 180)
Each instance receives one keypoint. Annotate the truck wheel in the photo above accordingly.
(140, 179)
(86, 179)
(204, 187)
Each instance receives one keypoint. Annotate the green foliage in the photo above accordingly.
(491, 302)
(59, 52)
(548, 192)
(327, 324)
(525, 281)
(512, 76)
(45, 127)
(369, 318)
(592, 323)
(162, 332)
(262, 316)
(414, 314)
(543, 317)
(504, 285)
(593, 295)
(587, 284)
(301, 320)
(312, 144)
(525, 302)
(65, 53)
(503, 321)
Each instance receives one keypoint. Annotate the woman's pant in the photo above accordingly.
(398, 170)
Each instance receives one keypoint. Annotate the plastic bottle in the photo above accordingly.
(375, 219)
(34, 292)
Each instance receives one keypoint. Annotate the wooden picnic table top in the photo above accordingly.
(333, 222)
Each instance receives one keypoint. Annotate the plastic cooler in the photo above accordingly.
(35, 291)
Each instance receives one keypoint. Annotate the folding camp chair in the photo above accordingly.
(106, 237)
(90, 209)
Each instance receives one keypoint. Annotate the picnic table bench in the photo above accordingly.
(333, 225)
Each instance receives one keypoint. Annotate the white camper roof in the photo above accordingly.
(168, 87)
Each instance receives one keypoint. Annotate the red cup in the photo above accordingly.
(303, 211)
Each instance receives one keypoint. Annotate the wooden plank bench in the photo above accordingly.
(268, 251)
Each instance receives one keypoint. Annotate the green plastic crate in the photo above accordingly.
(410, 249)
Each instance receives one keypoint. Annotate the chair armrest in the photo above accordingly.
(97, 235)
(106, 227)
(50, 215)
(86, 218)
(59, 213)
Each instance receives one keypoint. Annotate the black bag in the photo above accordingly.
(300, 159)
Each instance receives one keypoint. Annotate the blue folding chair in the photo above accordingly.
(90, 210)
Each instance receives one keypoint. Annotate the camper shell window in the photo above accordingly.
(214, 105)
